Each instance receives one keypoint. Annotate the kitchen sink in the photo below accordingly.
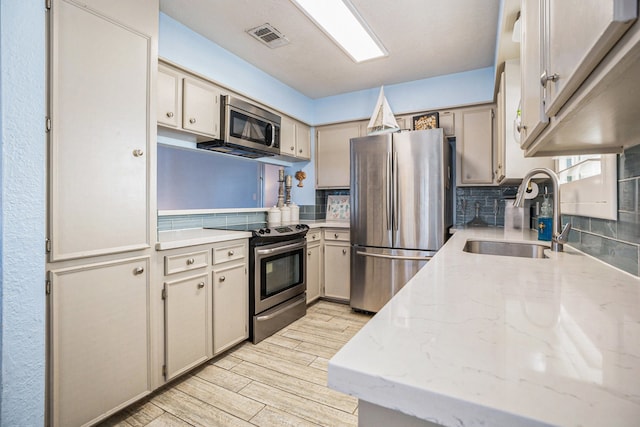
(518, 249)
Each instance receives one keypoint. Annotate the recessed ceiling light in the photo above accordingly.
(342, 23)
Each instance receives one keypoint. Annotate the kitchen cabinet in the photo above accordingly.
(99, 339)
(101, 334)
(314, 263)
(187, 316)
(169, 97)
(337, 264)
(101, 141)
(295, 139)
(333, 154)
(510, 164)
(188, 103)
(579, 74)
(230, 295)
(200, 107)
(474, 146)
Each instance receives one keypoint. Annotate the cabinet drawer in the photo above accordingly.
(228, 253)
(340, 235)
(185, 262)
(313, 236)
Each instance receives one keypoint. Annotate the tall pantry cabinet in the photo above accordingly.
(101, 213)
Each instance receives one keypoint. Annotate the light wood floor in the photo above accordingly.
(279, 382)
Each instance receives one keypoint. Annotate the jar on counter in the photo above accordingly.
(295, 213)
(286, 215)
(274, 216)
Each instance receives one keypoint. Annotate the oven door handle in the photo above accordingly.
(281, 249)
(398, 257)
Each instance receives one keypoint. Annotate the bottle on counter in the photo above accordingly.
(545, 220)
(274, 216)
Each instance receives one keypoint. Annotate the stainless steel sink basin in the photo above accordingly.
(518, 249)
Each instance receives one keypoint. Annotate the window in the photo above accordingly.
(588, 185)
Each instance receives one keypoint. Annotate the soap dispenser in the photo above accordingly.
(545, 220)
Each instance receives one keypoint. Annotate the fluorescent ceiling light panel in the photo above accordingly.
(340, 21)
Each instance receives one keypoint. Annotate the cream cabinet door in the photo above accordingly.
(187, 317)
(579, 34)
(332, 154)
(474, 143)
(99, 339)
(288, 137)
(533, 119)
(337, 267)
(314, 259)
(230, 306)
(169, 110)
(303, 141)
(100, 82)
(201, 107)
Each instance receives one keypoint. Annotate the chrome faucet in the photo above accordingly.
(560, 235)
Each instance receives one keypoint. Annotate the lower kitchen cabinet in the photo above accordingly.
(230, 306)
(314, 263)
(99, 335)
(187, 316)
(337, 264)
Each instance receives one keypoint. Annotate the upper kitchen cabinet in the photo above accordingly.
(295, 139)
(588, 79)
(188, 103)
(474, 146)
(102, 109)
(510, 163)
(332, 154)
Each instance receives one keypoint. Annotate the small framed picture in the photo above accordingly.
(426, 121)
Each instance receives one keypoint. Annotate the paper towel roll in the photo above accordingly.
(533, 193)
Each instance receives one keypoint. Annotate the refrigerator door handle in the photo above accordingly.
(407, 258)
(395, 190)
(389, 204)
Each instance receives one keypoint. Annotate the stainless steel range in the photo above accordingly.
(277, 279)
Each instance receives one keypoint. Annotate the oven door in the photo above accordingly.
(280, 271)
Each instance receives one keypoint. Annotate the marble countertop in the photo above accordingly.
(483, 340)
(196, 236)
(322, 223)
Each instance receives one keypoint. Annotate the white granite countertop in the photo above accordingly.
(196, 236)
(483, 340)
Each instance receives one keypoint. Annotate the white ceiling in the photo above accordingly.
(424, 38)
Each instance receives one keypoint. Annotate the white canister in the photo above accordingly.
(295, 213)
(274, 217)
(286, 215)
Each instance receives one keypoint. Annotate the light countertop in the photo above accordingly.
(483, 340)
(322, 223)
(196, 236)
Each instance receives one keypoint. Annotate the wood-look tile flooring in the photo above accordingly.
(279, 382)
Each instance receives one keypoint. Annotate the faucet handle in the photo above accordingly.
(563, 237)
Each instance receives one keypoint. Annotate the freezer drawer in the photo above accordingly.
(378, 274)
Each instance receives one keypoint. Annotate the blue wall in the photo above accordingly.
(22, 213)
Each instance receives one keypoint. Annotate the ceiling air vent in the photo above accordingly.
(268, 35)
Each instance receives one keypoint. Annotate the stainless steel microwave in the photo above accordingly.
(246, 130)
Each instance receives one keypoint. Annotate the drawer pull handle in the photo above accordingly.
(138, 270)
(192, 120)
(222, 278)
(200, 285)
(231, 253)
(170, 114)
(336, 235)
(190, 261)
(309, 253)
(344, 252)
(138, 152)
(313, 237)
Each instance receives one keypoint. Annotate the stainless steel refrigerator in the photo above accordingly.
(401, 210)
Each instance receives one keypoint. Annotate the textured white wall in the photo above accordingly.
(22, 213)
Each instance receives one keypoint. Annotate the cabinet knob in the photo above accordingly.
(344, 252)
(190, 261)
(192, 120)
(545, 78)
(293, 148)
(313, 237)
(300, 150)
(170, 114)
(309, 253)
(200, 285)
(336, 235)
(138, 152)
(138, 270)
(222, 279)
(231, 253)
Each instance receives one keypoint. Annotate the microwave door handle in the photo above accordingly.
(273, 135)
